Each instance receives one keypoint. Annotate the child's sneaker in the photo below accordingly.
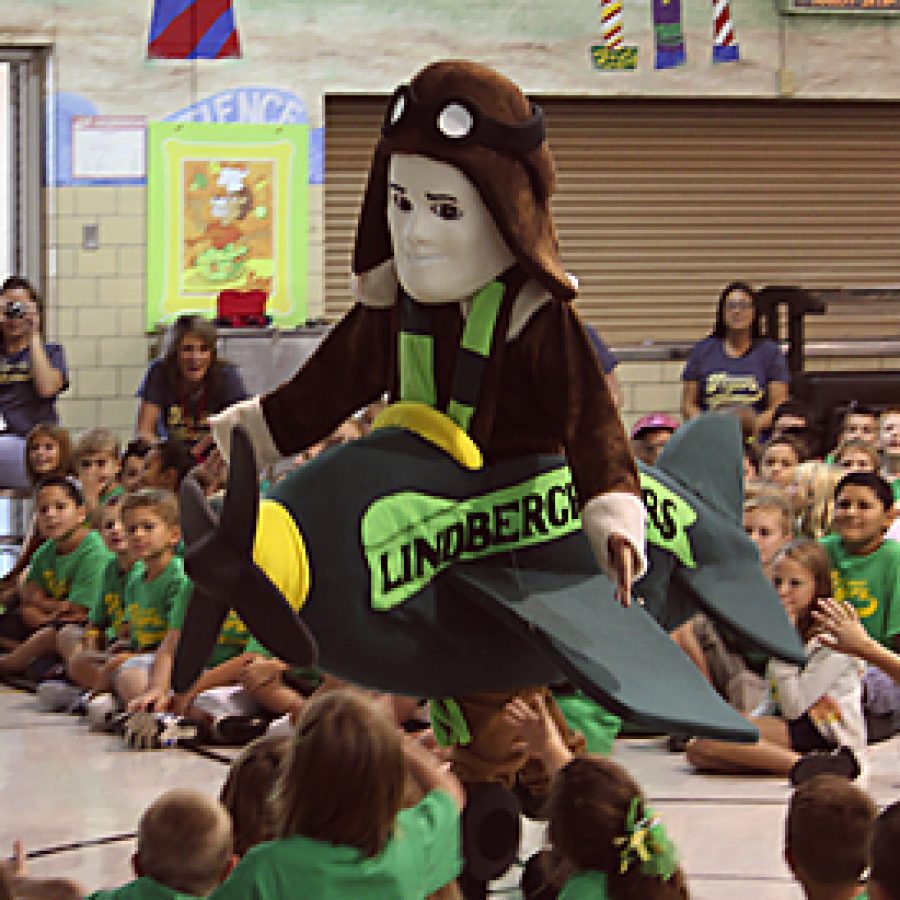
(158, 731)
(102, 712)
(57, 696)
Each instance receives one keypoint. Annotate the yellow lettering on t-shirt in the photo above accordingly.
(856, 591)
(57, 587)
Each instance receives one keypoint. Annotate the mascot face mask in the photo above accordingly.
(477, 121)
(446, 245)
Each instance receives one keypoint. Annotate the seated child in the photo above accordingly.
(780, 457)
(790, 415)
(736, 675)
(339, 827)
(828, 834)
(858, 421)
(608, 842)
(156, 594)
(889, 441)
(247, 791)
(884, 876)
(814, 486)
(64, 579)
(184, 849)
(48, 451)
(865, 571)
(107, 632)
(166, 465)
(131, 463)
(818, 708)
(857, 455)
(96, 461)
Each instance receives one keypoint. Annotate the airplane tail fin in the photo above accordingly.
(219, 560)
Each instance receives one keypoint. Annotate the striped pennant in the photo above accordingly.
(724, 47)
(193, 29)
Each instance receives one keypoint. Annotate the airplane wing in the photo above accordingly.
(619, 656)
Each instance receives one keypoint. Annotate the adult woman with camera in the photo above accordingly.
(32, 374)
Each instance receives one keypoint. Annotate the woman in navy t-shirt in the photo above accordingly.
(186, 385)
(735, 366)
(32, 374)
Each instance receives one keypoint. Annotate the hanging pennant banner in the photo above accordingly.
(612, 55)
(670, 50)
(724, 47)
(193, 29)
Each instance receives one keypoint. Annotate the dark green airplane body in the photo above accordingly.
(433, 580)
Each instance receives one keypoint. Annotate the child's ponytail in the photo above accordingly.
(600, 822)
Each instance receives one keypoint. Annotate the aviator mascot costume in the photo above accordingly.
(443, 555)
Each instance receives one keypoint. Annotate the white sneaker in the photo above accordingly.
(102, 712)
(57, 696)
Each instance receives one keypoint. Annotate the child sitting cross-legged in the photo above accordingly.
(816, 710)
(156, 594)
(339, 828)
(107, 633)
(607, 842)
(64, 579)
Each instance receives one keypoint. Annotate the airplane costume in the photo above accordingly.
(455, 552)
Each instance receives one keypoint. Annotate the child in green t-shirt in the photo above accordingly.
(340, 830)
(107, 631)
(156, 593)
(865, 572)
(184, 849)
(64, 579)
(600, 825)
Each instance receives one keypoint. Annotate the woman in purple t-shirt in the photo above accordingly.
(189, 383)
(32, 374)
(734, 366)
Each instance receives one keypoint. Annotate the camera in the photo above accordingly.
(14, 309)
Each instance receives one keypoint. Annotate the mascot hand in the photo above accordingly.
(624, 563)
(249, 414)
(614, 525)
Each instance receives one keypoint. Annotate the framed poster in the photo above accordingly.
(227, 210)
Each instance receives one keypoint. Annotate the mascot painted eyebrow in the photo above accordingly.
(472, 547)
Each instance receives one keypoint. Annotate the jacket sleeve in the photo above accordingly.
(799, 689)
(573, 390)
(350, 368)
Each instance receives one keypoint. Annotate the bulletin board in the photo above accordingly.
(227, 210)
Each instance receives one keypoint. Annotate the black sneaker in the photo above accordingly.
(840, 761)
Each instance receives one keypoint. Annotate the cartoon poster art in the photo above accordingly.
(227, 235)
(227, 211)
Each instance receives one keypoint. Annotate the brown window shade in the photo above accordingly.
(661, 203)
